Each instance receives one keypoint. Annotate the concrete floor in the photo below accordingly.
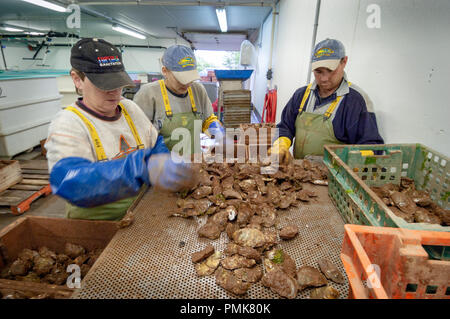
(50, 206)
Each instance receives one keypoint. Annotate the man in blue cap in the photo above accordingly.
(178, 101)
(331, 110)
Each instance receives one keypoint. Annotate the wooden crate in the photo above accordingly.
(34, 232)
(10, 174)
(239, 151)
(253, 137)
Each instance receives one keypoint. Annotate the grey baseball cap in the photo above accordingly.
(181, 61)
(327, 53)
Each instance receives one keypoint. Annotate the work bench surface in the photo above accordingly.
(152, 257)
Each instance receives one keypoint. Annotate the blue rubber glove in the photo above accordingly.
(88, 184)
(216, 129)
(169, 173)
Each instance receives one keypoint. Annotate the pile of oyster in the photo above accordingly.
(244, 201)
(23, 294)
(46, 266)
(252, 256)
(414, 206)
(240, 190)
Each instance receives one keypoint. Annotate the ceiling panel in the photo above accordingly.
(214, 41)
(162, 21)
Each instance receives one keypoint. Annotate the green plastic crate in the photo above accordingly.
(351, 175)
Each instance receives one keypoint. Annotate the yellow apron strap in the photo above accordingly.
(99, 150)
(333, 105)
(132, 127)
(165, 98)
(305, 97)
(191, 97)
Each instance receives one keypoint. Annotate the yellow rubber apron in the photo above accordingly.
(179, 120)
(111, 211)
(312, 130)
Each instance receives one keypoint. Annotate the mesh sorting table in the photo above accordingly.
(152, 257)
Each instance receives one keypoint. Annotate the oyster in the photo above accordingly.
(202, 254)
(231, 249)
(73, 251)
(326, 292)
(202, 192)
(209, 230)
(20, 267)
(244, 215)
(281, 283)
(310, 277)
(407, 217)
(247, 185)
(231, 228)
(249, 252)
(237, 261)
(269, 216)
(403, 202)
(270, 238)
(288, 232)
(330, 271)
(208, 266)
(421, 215)
(220, 219)
(249, 237)
(251, 275)
(228, 281)
(278, 259)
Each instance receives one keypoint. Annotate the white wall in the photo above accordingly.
(403, 65)
(262, 46)
(293, 46)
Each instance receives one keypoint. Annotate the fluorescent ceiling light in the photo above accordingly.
(128, 31)
(12, 29)
(222, 17)
(47, 5)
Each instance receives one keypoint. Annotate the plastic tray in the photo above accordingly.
(383, 262)
(351, 176)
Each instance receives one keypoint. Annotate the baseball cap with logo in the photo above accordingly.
(181, 61)
(101, 62)
(327, 53)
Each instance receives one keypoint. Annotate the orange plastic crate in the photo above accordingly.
(404, 268)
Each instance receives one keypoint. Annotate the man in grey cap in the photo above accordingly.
(331, 110)
(178, 101)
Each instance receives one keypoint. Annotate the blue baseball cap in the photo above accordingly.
(181, 61)
(327, 53)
